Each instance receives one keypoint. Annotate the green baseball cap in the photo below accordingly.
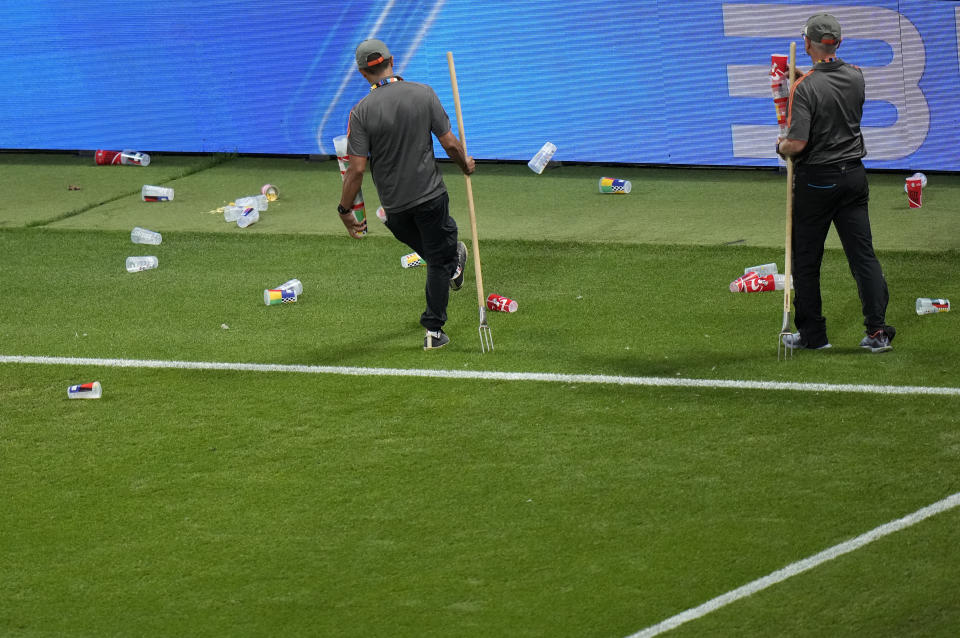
(371, 53)
(822, 28)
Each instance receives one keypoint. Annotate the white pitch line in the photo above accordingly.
(669, 382)
(799, 567)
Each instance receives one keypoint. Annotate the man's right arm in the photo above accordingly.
(454, 150)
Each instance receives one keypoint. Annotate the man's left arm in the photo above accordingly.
(787, 147)
(352, 180)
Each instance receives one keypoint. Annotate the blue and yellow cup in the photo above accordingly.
(614, 185)
(273, 297)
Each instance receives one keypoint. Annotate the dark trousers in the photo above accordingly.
(835, 194)
(431, 232)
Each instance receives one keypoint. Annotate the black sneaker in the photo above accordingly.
(456, 282)
(435, 339)
(879, 340)
(795, 342)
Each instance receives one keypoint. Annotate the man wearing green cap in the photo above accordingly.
(391, 127)
(830, 186)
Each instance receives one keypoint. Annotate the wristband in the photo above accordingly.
(343, 211)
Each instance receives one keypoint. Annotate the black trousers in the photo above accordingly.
(431, 232)
(836, 194)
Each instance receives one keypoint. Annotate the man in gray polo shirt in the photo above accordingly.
(830, 186)
(392, 127)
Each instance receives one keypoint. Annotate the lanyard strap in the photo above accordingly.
(393, 78)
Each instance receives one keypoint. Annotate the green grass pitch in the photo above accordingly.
(211, 503)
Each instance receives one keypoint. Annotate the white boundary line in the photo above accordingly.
(799, 567)
(668, 382)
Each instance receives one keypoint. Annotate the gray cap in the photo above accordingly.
(822, 28)
(371, 53)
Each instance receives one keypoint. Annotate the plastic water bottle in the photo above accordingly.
(135, 158)
(143, 236)
(250, 216)
(136, 264)
(254, 201)
(232, 213)
(540, 160)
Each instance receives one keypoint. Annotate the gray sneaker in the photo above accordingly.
(878, 341)
(435, 339)
(795, 342)
(456, 282)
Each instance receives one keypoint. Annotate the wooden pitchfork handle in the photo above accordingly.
(473, 214)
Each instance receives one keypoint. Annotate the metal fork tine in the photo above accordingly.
(785, 330)
(486, 335)
(486, 339)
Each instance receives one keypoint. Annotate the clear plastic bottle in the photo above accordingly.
(136, 264)
(143, 236)
(540, 160)
(250, 216)
(254, 201)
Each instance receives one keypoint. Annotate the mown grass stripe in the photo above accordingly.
(799, 567)
(733, 384)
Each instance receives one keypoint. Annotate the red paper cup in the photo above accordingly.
(501, 304)
(915, 193)
(778, 62)
(744, 283)
(107, 157)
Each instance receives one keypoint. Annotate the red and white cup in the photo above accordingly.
(90, 390)
(778, 63)
(914, 192)
(103, 157)
(499, 303)
(752, 282)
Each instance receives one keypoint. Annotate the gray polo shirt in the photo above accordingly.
(393, 125)
(825, 111)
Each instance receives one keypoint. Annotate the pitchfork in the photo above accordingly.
(788, 250)
(486, 336)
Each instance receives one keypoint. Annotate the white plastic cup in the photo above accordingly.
(412, 260)
(143, 236)
(135, 158)
(232, 213)
(85, 391)
(763, 270)
(927, 306)
(137, 264)
(250, 216)
(542, 158)
(253, 201)
(271, 192)
(156, 193)
(294, 284)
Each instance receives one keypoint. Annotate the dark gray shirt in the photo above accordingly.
(393, 125)
(825, 110)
